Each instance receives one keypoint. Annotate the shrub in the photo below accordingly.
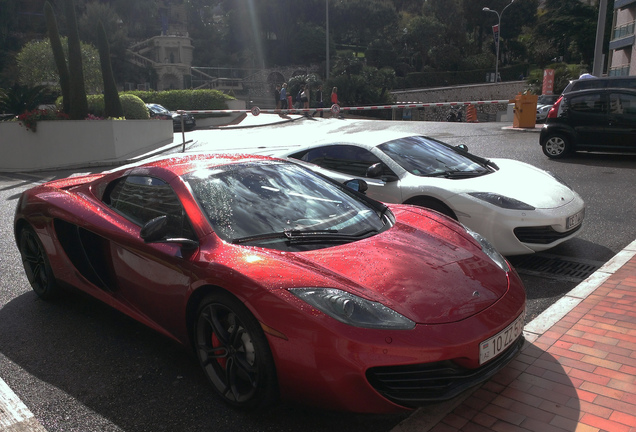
(134, 108)
(185, 99)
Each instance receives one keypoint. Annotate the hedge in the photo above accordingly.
(185, 99)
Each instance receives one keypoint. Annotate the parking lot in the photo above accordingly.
(80, 366)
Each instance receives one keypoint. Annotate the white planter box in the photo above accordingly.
(73, 143)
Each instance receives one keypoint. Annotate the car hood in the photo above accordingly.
(525, 183)
(428, 271)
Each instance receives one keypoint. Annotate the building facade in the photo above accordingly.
(622, 46)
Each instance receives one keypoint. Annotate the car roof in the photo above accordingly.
(601, 90)
(183, 164)
(365, 139)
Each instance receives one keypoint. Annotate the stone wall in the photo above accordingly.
(467, 93)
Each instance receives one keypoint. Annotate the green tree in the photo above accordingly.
(58, 55)
(112, 105)
(77, 93)
(421, 34)
(36, 65)
(570, 27)
(96, 12)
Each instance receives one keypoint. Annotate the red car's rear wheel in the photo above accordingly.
(234, 353)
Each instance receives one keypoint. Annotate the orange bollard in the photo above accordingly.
(471, 114)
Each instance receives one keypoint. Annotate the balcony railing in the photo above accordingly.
(622, 70)
(624, 30)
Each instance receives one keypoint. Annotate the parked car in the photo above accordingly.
(159, 112)
(542, 112)
(598, 83)
(601, 120)
(283, 282)
(519, 208)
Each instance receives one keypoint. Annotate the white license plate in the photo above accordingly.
(491, 348)
(575, 220)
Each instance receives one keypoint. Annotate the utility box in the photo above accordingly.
(525, 111)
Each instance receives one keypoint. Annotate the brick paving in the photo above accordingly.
(577, 374)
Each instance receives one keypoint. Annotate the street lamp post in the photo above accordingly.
(327, 37)
(498, 35)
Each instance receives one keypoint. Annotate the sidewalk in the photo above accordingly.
(577, 371)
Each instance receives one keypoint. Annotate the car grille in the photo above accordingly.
(417, 385)
(542, 234)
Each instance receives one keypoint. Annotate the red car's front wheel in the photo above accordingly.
(234, 352)
(36, 264)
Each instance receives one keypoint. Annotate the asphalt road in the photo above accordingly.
(80, 366)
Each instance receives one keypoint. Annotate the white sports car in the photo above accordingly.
(521, 209)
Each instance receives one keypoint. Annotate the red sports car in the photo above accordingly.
(285, 284)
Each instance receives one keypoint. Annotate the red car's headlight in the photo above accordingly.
(353, 310)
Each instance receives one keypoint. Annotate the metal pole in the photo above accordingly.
(597, 70)
(327, 36)
(498, 35)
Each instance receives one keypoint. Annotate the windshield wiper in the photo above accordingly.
(457, 174)
(309, 236)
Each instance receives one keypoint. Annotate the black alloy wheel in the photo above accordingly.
(556, 146)
(36, 265)
(234, 353)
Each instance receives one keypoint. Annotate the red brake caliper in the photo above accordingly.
(216, 343)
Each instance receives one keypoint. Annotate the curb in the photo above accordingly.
(423, 420)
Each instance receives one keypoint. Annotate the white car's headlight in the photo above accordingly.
(353, 310)
(501, 201)
(489, 250)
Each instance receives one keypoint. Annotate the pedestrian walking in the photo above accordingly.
(277, 96)
(334, 99)
(283, 96)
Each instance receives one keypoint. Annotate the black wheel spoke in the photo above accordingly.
(212, 318)
(233, 352)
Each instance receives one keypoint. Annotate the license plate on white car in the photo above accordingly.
(575, 220)
(492, 347)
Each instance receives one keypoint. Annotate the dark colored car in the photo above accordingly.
(598, 83)
(160, 112)
(284, 283)
(602, 120)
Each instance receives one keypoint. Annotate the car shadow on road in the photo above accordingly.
(621, 160)
(534, 392)
(136, 379)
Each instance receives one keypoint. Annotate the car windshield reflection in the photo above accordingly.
(422, 156)
(274, 204)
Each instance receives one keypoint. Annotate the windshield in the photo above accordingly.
(424, 156)
(275, 204)
(158, 109)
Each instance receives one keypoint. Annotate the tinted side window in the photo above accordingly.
(346, 159)
(589, 103)
(141, 198)
(624, 104)
(588, 84)
(623, 83)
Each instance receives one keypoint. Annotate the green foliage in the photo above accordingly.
(36, 65)
(79, 105)
(563, 74)
(112, 105)
(134, 108)
(367, 88)
(58, 55)
(185, 99)
(21, 98)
